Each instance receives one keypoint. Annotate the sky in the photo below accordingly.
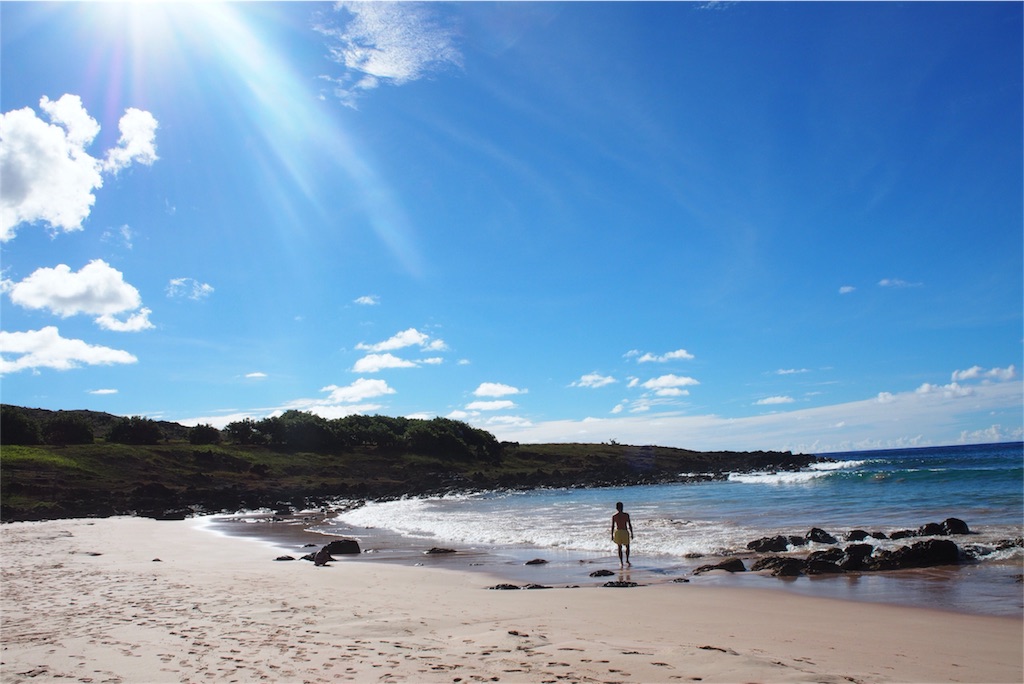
(742, 226)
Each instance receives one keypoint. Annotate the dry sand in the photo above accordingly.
(84, 600)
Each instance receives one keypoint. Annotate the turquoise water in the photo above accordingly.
(680, 526)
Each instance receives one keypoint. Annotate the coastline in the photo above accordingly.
(988, 588)
(87, 599)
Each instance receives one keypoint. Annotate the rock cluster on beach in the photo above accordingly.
(859, 556)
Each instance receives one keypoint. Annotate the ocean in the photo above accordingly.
(682, 526)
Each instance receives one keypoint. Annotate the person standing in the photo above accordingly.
(622, 531)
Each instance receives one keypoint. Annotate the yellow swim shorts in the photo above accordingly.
(621, 537)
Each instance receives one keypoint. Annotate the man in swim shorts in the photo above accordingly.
(622, 531)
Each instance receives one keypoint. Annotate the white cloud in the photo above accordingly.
(101, 392)
(498, 405)
(979, 373)
(47, 349)
(791, 371)
(122, 235)
(256, 375)
(137, 142)
(432, 361)
(846, 289)
(406, 338)
(48, 175)
(97, 289)
(660, 358)
(668, 385)
(496, 389)
(953, 389)
(898, 422)
(136, 322)
(771, 401)
(188, 288)
(372, 363)
(368, 300)
(593, 380)
(360, 390)
(387, 43)
(897, 283)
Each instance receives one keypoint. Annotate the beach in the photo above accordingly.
(140, 600)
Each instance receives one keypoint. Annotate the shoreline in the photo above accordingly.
(88, 599)
(948, 588)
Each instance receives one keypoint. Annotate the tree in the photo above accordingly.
(204, 434)
(135, 430)
(243, 432)
(65, 429)
(17, 427)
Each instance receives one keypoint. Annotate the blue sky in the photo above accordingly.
(714, 226)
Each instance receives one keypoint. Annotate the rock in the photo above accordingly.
(774, 544)
(1006, 544)
(602, 573)
(795, 540)
(157, 560)
(780, 566)
(930, 530)
(323, 556)
(834, 555)
(903, 534)
(879, 535)
(820, 536)
(285, 558)
(621, 584)
(308, 557)
(822, 567)
(854, 556)
(680, 580)
(437, 550)
(343, 547)
(921, 554)
(856, 535)
(535, 561)
(504, 587)
(955, 526)
(536, 586)
(729, 565)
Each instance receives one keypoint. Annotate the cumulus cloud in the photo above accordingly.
(669, 385)
(188, 288)
(406, 338)
(953, 389)
(45, 348)
(979, 373)
(386, 43)
(367, 300)
(359, 390)
(660, 358)
(771, 401)
(372, 363)
(593, 380)
(497, 405)
(47, 173)
(496, 389)
(97, 289)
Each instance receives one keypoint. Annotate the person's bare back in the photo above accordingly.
(622, 531)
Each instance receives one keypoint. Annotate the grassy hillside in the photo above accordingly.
(173, 478)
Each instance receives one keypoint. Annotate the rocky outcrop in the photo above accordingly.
(922, 554)
(729, 565)
(343, 547)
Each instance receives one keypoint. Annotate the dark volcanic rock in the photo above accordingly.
(535, 561)
(1004, 544)
(830, 556)
(903, 534)
(854, 555)
(730, 565)
(769, 544)
(780, 566)
(820, 536)
(282, 558)
(438, 550)
(930, 530)
(343, 546)
(602, 573)
(622, 584)
(921, 554)
(955, 526)
(821, 567)
(856, 535)
(504, 587)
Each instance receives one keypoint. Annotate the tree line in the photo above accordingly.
(293, 430)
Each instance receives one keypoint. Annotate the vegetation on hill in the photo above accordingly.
(83, 463)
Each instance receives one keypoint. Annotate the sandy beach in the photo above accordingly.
(88, 601)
